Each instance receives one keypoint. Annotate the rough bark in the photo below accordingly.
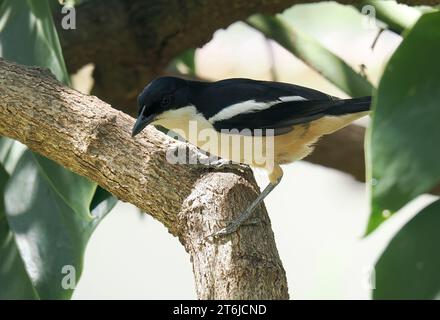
(93, 139)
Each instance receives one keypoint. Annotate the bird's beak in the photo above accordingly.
(141, 123)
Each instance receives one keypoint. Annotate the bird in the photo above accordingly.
(282, 120)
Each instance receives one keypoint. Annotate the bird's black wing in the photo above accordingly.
(216, 96)
(280, 117)
(269, 105)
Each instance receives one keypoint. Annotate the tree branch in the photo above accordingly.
(343, 150)
(91, 138)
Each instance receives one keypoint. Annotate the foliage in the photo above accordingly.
(403, 150)
(47, 213)
(187, 60)
(408, 268)
(313, 54)
(31, 22)
(403, 162)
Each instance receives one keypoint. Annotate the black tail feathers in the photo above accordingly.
(348, 106)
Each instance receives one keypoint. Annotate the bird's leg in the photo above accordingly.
(275, 178)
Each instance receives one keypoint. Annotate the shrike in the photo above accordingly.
(291, 116)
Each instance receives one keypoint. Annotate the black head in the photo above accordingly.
(162, 94)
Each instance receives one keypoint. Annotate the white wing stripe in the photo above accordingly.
(248, 107)
(291, 98)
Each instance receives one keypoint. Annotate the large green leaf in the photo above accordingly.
(52, 225)
(409, 266)
(14, 280)
(47, 206)
(306, 48)
(403, 152)
(28, 36)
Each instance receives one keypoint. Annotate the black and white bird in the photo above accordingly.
(289, 119)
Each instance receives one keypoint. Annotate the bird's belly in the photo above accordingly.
(299, 143)
(259, 151)
(294, 145)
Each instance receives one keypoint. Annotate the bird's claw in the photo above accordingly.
(244, 217)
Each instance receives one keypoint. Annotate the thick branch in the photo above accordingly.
(343, 151)
(92, 139)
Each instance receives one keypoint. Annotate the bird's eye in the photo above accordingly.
(166, 101)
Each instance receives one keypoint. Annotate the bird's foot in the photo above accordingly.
(239, 221)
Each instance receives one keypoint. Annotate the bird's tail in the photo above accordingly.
(347, 106)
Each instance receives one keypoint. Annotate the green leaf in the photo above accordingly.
(50, 210)
(10, 152)
(102, 203)
(14, 280)
(409, 266)
(306, 48)
(52, 225)
(28, 36)
(186, 59)
(402, 147)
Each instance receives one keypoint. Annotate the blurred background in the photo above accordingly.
(318, 214)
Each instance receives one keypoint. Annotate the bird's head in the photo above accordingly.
(161, 95)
